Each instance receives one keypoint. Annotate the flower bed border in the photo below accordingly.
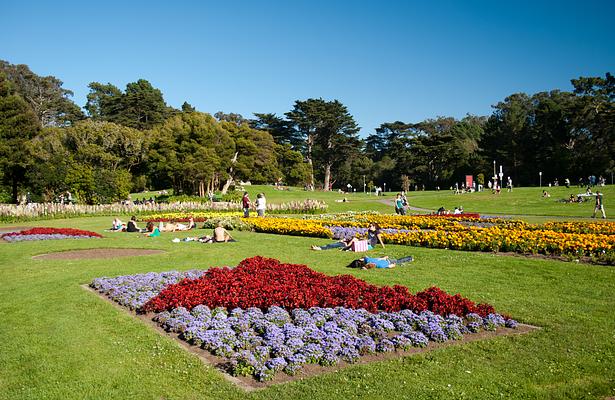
(248, 383)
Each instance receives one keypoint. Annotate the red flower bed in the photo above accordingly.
(54, 231)
(264, 282)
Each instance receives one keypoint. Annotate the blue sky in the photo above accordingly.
(385, 60)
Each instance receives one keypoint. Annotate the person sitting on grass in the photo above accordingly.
(374, 236)
(117, 225)
(221, 235)
(545, 194)
(132, 225)
(381, 262)
(152, 230)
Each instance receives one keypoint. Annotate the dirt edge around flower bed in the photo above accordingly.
(248, 383)
(101, 253)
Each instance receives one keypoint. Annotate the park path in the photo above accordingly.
(409, 207)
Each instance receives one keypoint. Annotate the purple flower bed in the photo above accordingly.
(53, 236)
(345, 233)
(261, 343)
(133, 291)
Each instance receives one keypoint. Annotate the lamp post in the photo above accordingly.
(540, 177)
(363, 184)
(385, 187)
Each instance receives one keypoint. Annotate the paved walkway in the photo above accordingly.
(392, 204)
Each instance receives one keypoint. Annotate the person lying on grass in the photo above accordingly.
(152, 230)
(220, 236)
(177, 226)
(374, 236)
(381, 262)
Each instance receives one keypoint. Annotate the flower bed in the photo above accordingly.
(48, 234)
(198, 216)
(265, 316)
(604, 228)
(500, 235)
(262, 282)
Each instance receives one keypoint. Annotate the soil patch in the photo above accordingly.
(248, 383)
(96, 253)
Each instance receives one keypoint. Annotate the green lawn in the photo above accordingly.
(62, 342)
(526, 203)
(521, 201)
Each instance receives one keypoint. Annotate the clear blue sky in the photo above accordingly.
(385, 60)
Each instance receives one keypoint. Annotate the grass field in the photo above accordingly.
(521, 201)
(59, 341)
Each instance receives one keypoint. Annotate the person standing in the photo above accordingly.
(399, 205)
(599, 205)
(245, 203)
(261, 204)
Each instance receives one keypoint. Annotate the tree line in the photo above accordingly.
(128, 140)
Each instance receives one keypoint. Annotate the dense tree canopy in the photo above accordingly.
(18, 124)
(132, 139)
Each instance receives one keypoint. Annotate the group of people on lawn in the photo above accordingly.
(220, 234)
(374, 237)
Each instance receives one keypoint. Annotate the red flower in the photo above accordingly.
(53, 231)
(264, 282)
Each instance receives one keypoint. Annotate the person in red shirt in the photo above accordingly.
(245, 202)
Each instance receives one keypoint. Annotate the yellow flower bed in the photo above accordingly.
(288, 226)
(605, 228)
(438, 233)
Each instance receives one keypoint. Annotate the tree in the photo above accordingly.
(191, 152)
(237, 119)
(292, 166)
(306, 119)
(18, 124)
(187, 107)
(256, 159)
(141, 106)
(329, 130)
(281, 129)
(104, 102)
(92, 159)
(48, 99)
(336, 137)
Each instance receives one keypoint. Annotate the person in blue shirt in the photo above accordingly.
(381, 262)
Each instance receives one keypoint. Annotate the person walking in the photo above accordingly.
(599, 205)
(245, 203)
(399, 205)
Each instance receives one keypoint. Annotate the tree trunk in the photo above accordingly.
(310, 140)
(227, 184)
(230, 179)
(327, 176)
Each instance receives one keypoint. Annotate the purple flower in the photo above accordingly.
(418, 339)
(366, 345)
(312, 352)
(492, 321)
(511, 323)
(276, 364)
(385, 345)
